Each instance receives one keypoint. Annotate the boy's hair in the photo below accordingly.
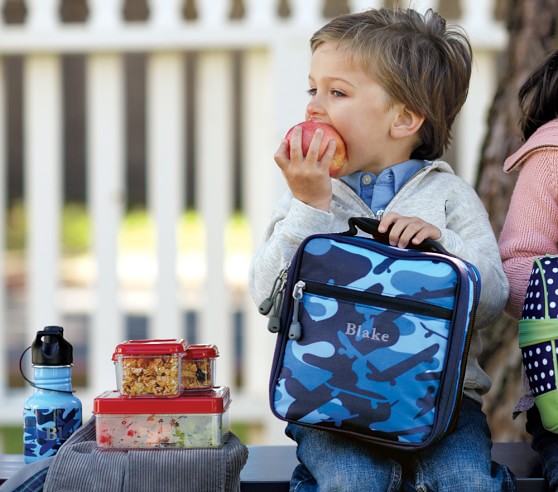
(538, 96)
(417, 59)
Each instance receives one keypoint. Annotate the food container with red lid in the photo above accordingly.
(199, 420)
(198, 367)
(149, 368)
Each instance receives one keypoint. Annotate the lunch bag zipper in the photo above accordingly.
(362, 297)
(456, 410)
(275, 300)
(381, 300)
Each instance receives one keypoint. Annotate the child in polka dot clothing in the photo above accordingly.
(531, 231)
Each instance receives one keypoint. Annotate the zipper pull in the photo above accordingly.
(274, 323)
(266, 305)
(279, 284)
(295, 330)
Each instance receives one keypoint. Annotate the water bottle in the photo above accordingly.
(52, 414)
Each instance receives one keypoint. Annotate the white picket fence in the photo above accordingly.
(274, 57)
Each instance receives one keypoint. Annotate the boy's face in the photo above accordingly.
(346, 97)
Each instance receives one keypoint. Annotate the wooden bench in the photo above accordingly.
(269, 468)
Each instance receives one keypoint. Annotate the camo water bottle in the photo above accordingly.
(52, 413)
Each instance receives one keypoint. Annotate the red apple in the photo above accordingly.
(308, 129)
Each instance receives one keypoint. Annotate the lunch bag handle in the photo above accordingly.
(370, 226)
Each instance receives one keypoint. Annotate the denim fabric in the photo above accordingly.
(545, 443)
(460, 462)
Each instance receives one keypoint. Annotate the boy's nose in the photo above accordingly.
(314, 108)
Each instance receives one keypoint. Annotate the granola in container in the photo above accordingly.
(198, 367)
(149, 368)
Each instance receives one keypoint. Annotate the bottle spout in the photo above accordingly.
(51, 349)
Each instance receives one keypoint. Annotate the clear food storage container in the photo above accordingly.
(198, 367)
(149, 368)
(199, 420)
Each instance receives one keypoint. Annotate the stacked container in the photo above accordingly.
(166, 398)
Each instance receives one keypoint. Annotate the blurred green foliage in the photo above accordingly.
(12, 438)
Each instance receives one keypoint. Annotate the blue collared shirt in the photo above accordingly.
(377, 191)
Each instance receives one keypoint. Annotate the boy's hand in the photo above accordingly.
(405, 230)
(307, 177)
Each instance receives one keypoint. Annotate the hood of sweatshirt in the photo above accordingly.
(545, 138)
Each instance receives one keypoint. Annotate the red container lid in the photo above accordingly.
(214, 400)
(199, 351)
(163, 346)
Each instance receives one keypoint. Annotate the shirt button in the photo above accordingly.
(366, 179)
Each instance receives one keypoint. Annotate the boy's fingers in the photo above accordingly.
(387, 221)
(314, 148)
(281, 156)
(295, 151)
(330, 151)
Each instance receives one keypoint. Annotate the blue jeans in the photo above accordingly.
(461, 461)
(545, 443)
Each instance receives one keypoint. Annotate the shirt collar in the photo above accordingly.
(401, 173)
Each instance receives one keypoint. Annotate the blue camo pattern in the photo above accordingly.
(46, 429)
(381, 368)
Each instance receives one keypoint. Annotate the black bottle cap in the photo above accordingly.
(50, 348)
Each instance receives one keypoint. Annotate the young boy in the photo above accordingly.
(391, 83)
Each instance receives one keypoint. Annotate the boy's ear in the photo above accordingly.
(406, 123)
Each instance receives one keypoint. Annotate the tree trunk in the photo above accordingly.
(532, 29)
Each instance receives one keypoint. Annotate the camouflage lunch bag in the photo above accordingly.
(372, 339)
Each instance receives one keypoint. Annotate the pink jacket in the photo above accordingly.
(531, 226)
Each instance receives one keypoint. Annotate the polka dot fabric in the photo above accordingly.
(539, 367)
(542, 291)
(538, 337)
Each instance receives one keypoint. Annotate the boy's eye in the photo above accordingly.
(333, 92)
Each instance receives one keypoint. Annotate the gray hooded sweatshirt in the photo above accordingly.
(436, 195)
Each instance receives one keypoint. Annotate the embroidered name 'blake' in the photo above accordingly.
(354, 330)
